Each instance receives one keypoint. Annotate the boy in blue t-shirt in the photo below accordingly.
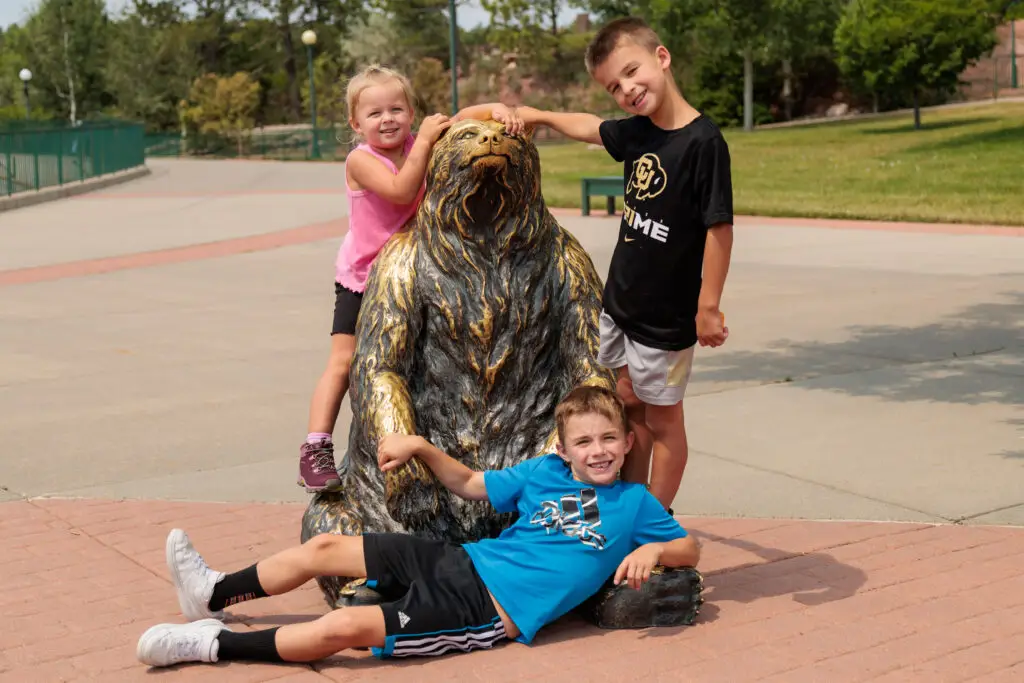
(578, 524)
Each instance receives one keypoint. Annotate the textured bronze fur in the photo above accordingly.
(672, 597)
(477, 319)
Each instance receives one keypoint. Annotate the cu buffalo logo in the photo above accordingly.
(648, 178)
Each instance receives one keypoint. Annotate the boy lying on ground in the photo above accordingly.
(578, 523)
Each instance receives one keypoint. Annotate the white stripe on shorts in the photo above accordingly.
(441, 643)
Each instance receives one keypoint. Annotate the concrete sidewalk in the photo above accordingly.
(785, 601)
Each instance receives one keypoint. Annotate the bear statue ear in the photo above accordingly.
(528, 131)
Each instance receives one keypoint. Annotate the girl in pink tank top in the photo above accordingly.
(384, 181)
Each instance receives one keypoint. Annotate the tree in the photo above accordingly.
(374, 38)
(282, 11)
(740, 27)
(529, 29)
(150, 64)
(421, 29)
(223, 106)
(330, 91)
(801, 30)
(67, 44)
(12, 60)
(906, 47)
(432, 84)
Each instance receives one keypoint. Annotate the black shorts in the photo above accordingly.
(434, 601)
(346, 309)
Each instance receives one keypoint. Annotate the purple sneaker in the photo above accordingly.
(316, 467)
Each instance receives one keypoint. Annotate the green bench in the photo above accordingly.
(611, 186)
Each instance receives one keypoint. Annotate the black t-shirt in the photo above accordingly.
(678, 184)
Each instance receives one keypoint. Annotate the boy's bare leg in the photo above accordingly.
(670, 450)
(203, 593)
(323, 555)
(331, 633)
(637, 467)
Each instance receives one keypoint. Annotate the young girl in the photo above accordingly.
(384, 177)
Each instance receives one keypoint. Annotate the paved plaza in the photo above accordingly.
(857, 447)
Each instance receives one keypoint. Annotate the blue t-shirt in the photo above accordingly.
(569, 539)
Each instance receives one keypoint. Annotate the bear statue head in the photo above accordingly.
(484, 184)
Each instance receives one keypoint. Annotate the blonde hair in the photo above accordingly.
(587, 400)
(375, 74)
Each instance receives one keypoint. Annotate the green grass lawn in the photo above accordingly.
(965, 166)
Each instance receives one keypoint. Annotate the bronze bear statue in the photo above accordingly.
(478, 317)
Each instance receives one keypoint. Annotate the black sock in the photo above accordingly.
(254, 646)
(235, 588)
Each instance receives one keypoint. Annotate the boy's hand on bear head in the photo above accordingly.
(509, 116)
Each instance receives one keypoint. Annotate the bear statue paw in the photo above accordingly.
(357, 594)
(671, 597)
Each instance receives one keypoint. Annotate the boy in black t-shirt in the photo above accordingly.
(664, 287)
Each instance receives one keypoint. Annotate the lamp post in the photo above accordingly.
(25, 75)
(309, 40)
(453, 37)
(1013, 53)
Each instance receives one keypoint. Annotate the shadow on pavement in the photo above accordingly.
(972, 333)
(811, 578)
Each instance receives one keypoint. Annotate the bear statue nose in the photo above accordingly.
(488, 137)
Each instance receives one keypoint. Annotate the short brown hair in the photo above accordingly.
(607, 39)
(587, 400)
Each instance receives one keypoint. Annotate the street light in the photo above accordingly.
(453, 36)
(25, 75)
(1013, 53)
(309, 40)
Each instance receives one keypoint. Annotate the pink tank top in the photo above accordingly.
(372, 221)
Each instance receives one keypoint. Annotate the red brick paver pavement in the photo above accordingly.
(786, 601)
(192, 252)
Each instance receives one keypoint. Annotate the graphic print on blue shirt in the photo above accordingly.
(575, 516)
(568, 539)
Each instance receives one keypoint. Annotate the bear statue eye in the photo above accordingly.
(467, 134)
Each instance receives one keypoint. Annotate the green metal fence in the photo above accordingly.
(292, 144)
(34, 157)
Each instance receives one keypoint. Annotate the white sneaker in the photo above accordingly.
(193, 580)
(169, 644)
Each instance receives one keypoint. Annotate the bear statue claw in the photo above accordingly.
(356, 594)
(671, 597)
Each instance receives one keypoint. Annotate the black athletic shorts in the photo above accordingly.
(434, 601)
(346, 309)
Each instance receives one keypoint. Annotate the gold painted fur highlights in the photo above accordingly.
(477, 319)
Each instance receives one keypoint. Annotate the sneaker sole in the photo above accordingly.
(155, 631)
(189, 609)
(331, 485)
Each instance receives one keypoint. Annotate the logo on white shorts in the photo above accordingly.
(403, 618)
